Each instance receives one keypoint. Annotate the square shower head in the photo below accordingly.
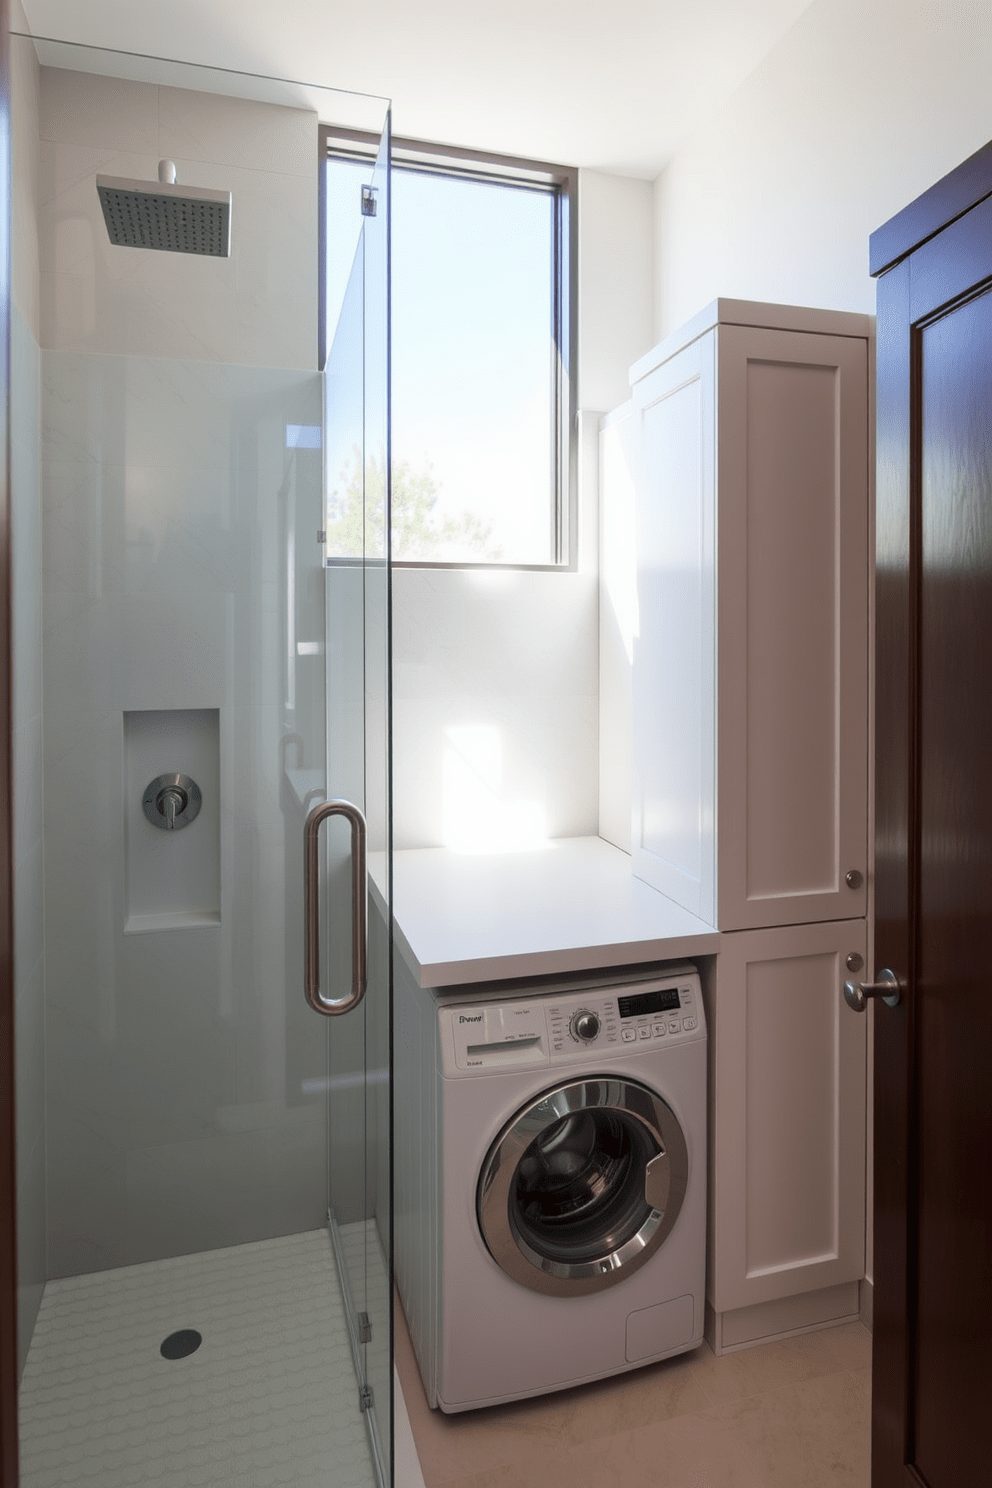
(175, 219)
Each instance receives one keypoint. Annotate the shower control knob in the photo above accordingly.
(584, 1026)
(172, 801)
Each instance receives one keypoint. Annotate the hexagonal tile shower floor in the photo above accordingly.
(268, 1398)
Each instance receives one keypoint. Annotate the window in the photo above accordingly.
(482, 265)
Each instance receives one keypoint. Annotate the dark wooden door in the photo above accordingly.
(8, 1182)
(932, 1376)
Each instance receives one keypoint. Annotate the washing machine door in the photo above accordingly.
(581, 1188)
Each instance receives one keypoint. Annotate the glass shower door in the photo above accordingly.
(174, 1089)
(356, 528)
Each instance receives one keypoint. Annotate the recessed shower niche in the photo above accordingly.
(171, 819)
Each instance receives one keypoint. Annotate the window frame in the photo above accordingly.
(561, 183)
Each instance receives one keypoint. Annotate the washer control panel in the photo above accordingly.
(638, 1014)
(551, 1027)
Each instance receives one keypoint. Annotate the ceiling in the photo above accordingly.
(580, 82)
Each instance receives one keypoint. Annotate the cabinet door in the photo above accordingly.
(793, 626)
(673, 776)
(787, 1157)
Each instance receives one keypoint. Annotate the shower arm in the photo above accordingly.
(332, 1007)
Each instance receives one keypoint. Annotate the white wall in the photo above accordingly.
(863, 105)
(616, 289)
(258, 306)
(496, 674)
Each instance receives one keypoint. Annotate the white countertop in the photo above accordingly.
(570, 906)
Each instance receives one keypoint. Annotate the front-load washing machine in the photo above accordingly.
(550, 1183)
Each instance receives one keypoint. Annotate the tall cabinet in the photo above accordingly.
(748, 440)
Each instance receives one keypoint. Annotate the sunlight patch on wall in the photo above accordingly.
(477, 815)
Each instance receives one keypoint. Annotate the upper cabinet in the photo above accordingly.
(749, 681)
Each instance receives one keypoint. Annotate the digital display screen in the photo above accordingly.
(665, 1000)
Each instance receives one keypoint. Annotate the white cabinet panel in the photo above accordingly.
(787, 1161)
(793, 618)
(749, 691)
(673, 757)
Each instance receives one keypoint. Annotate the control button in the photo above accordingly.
(644, 1032)
(689, 1024)
(584, 1026)
(660, 1030)
(628, 1035)
(674, 1025)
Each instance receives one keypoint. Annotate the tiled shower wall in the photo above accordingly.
(184, 1070)
(177, 1121)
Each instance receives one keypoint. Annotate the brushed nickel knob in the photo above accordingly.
(887, 986)
(172, 801)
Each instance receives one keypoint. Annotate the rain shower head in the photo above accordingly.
(160, 214)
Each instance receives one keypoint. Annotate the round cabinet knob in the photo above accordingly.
(585, 1026)
(854, 879)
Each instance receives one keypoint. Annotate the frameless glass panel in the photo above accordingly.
(356, 398)
(175, 1099)
(378, 798)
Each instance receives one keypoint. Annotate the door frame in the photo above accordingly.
(909, 293)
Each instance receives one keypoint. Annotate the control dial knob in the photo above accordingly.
(584, 1026)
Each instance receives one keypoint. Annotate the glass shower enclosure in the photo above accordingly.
(201, 651)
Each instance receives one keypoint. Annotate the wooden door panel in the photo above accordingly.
(952, 1297)
(933, 1124)
(8, 1187)
(951, 265)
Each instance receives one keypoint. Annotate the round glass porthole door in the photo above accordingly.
(583, 1186)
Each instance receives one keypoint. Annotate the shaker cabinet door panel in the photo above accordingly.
(787, 1171)
(793, 617)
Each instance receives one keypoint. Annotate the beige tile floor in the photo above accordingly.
(793, 1414)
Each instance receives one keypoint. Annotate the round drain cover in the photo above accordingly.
(180, 1345)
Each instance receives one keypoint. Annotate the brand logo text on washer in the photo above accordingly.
(476, 1018)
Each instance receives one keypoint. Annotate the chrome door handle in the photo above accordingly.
(311, 920)
(887, 986)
